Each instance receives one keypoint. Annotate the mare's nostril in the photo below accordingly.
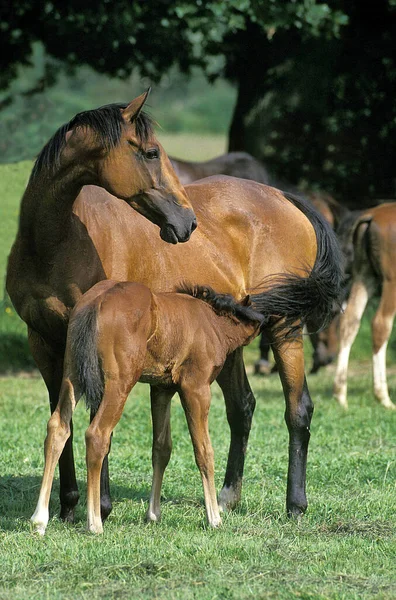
(194, 225)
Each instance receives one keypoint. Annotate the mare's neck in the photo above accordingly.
(46, 209)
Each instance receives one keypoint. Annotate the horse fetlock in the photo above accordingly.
(229, 497)
(106, 507)
(39, 521)
(153, 516)
(95, 526)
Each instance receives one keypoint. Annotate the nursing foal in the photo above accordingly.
(121, 333)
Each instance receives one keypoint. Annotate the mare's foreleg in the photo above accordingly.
(240, 405)
(381, 329)
(162, 445)
(50, 365)
(196, 404)
(349, 327)
(289, 355)
(262, 366)
(58, 432)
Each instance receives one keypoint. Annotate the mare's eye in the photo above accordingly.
(152, 153)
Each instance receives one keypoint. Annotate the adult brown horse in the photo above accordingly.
(77, 228)
(370, 246)
(236, 164)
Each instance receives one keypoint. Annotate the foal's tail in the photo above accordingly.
(87, 369)
(311, 295)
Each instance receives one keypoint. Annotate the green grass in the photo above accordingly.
(344, 548)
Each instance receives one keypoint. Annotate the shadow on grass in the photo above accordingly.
(19, 495)
(15, 354)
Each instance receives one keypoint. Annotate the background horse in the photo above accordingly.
(237, 164)
(77, 228)
(371, 249)
(121, 333)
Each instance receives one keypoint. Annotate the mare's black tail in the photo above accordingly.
(309, 297)
(82, 337)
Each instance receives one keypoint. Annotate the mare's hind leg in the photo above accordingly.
(240, 405)
(51, 368)
(162, 445)
(196, 404)
(381, 329)
(349, 327)
(58, 431)
(289, 355)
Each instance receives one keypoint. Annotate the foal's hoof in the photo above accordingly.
(152, 517)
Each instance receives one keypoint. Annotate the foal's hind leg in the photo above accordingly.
(162, 445)
(240, 405)
(381, 329)
(196, 404)
(289, 355)
(349, 327)
(58, 432)
(51, 369)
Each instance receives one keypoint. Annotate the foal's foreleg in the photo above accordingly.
(58, 432)
(240, 405)
(381, 329)
(162, 445)
(289, 355)
(349, 327)
(196, 404)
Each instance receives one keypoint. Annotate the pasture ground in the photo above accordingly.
(344, 547)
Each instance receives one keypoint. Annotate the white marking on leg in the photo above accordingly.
(379, 374)
(227, 499)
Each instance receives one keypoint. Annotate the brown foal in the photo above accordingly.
(121, 333)
(372, 253)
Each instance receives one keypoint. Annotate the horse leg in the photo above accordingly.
(97, 440)
(262, 366)
(240, 405)
(105, 498)
(349, 327)
(289, 356)
(196, 404)
(381, 329)
(58, 431)
(51, 368)
(162, 445)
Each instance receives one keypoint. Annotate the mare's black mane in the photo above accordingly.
(107, 123)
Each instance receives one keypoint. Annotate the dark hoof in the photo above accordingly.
(262, 367)
(67, 514)
(68, 504)
(296, 512)
(105, 508)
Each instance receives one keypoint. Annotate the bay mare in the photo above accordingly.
(120, 333)
(77, 227)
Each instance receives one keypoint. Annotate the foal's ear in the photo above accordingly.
(133, 109)
(246, 301)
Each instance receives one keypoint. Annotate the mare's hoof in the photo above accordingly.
(106, 507)
(262, 367)
(67, 514)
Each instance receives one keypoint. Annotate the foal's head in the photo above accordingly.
(115, 147)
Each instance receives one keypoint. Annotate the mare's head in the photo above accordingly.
(114, 147)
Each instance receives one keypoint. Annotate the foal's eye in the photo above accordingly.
(152, 153)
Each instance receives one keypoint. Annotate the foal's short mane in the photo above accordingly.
(223, 304)
(107, 122)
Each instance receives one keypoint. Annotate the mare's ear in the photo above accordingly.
(133, 109)
(246, 301)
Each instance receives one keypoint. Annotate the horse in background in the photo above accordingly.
(236, 164)
(370, 247)
(100, 192)
(121, 333)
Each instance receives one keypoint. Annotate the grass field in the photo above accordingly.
(344, 548)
